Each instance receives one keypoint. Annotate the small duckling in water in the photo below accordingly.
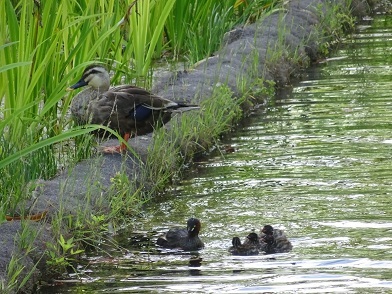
(185, 239)
(267, 243)
(274, 240)
(250, 246)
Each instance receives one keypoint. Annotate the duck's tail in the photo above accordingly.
(182, 107)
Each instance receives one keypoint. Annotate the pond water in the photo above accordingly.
(316, 162)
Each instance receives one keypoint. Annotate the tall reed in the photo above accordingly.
(194, 28)
(45, 46)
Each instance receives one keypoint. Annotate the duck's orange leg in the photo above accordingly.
(118, 149)
(126, 137)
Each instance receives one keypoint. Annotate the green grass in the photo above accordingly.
(17, 274)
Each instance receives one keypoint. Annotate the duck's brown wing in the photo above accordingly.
(140, 96)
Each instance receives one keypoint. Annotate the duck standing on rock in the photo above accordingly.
(185, 239)
(274, 240)
(127, 109)
(250, 246)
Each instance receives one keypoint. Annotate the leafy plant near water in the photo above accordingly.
(337, 21)
(113, 207)
(126, 197)
(63, 253)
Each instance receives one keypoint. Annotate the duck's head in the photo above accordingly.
(193, 226)
(96, 76)
(253, 237)
(268, 230)
(236, 242)
(269, 239)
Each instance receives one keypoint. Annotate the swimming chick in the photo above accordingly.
(250, 246)
(185, 239)
(274, 240)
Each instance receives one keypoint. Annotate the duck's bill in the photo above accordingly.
(79, 84)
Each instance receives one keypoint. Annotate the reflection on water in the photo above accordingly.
(316, 163)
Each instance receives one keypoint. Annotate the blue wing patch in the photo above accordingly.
(141, 113)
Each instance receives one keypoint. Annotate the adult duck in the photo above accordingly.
(274, 240)
(250, 246)
(181, 238)
(127, 109)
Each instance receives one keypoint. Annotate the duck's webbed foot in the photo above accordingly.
(122, 148)
(113, 149)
